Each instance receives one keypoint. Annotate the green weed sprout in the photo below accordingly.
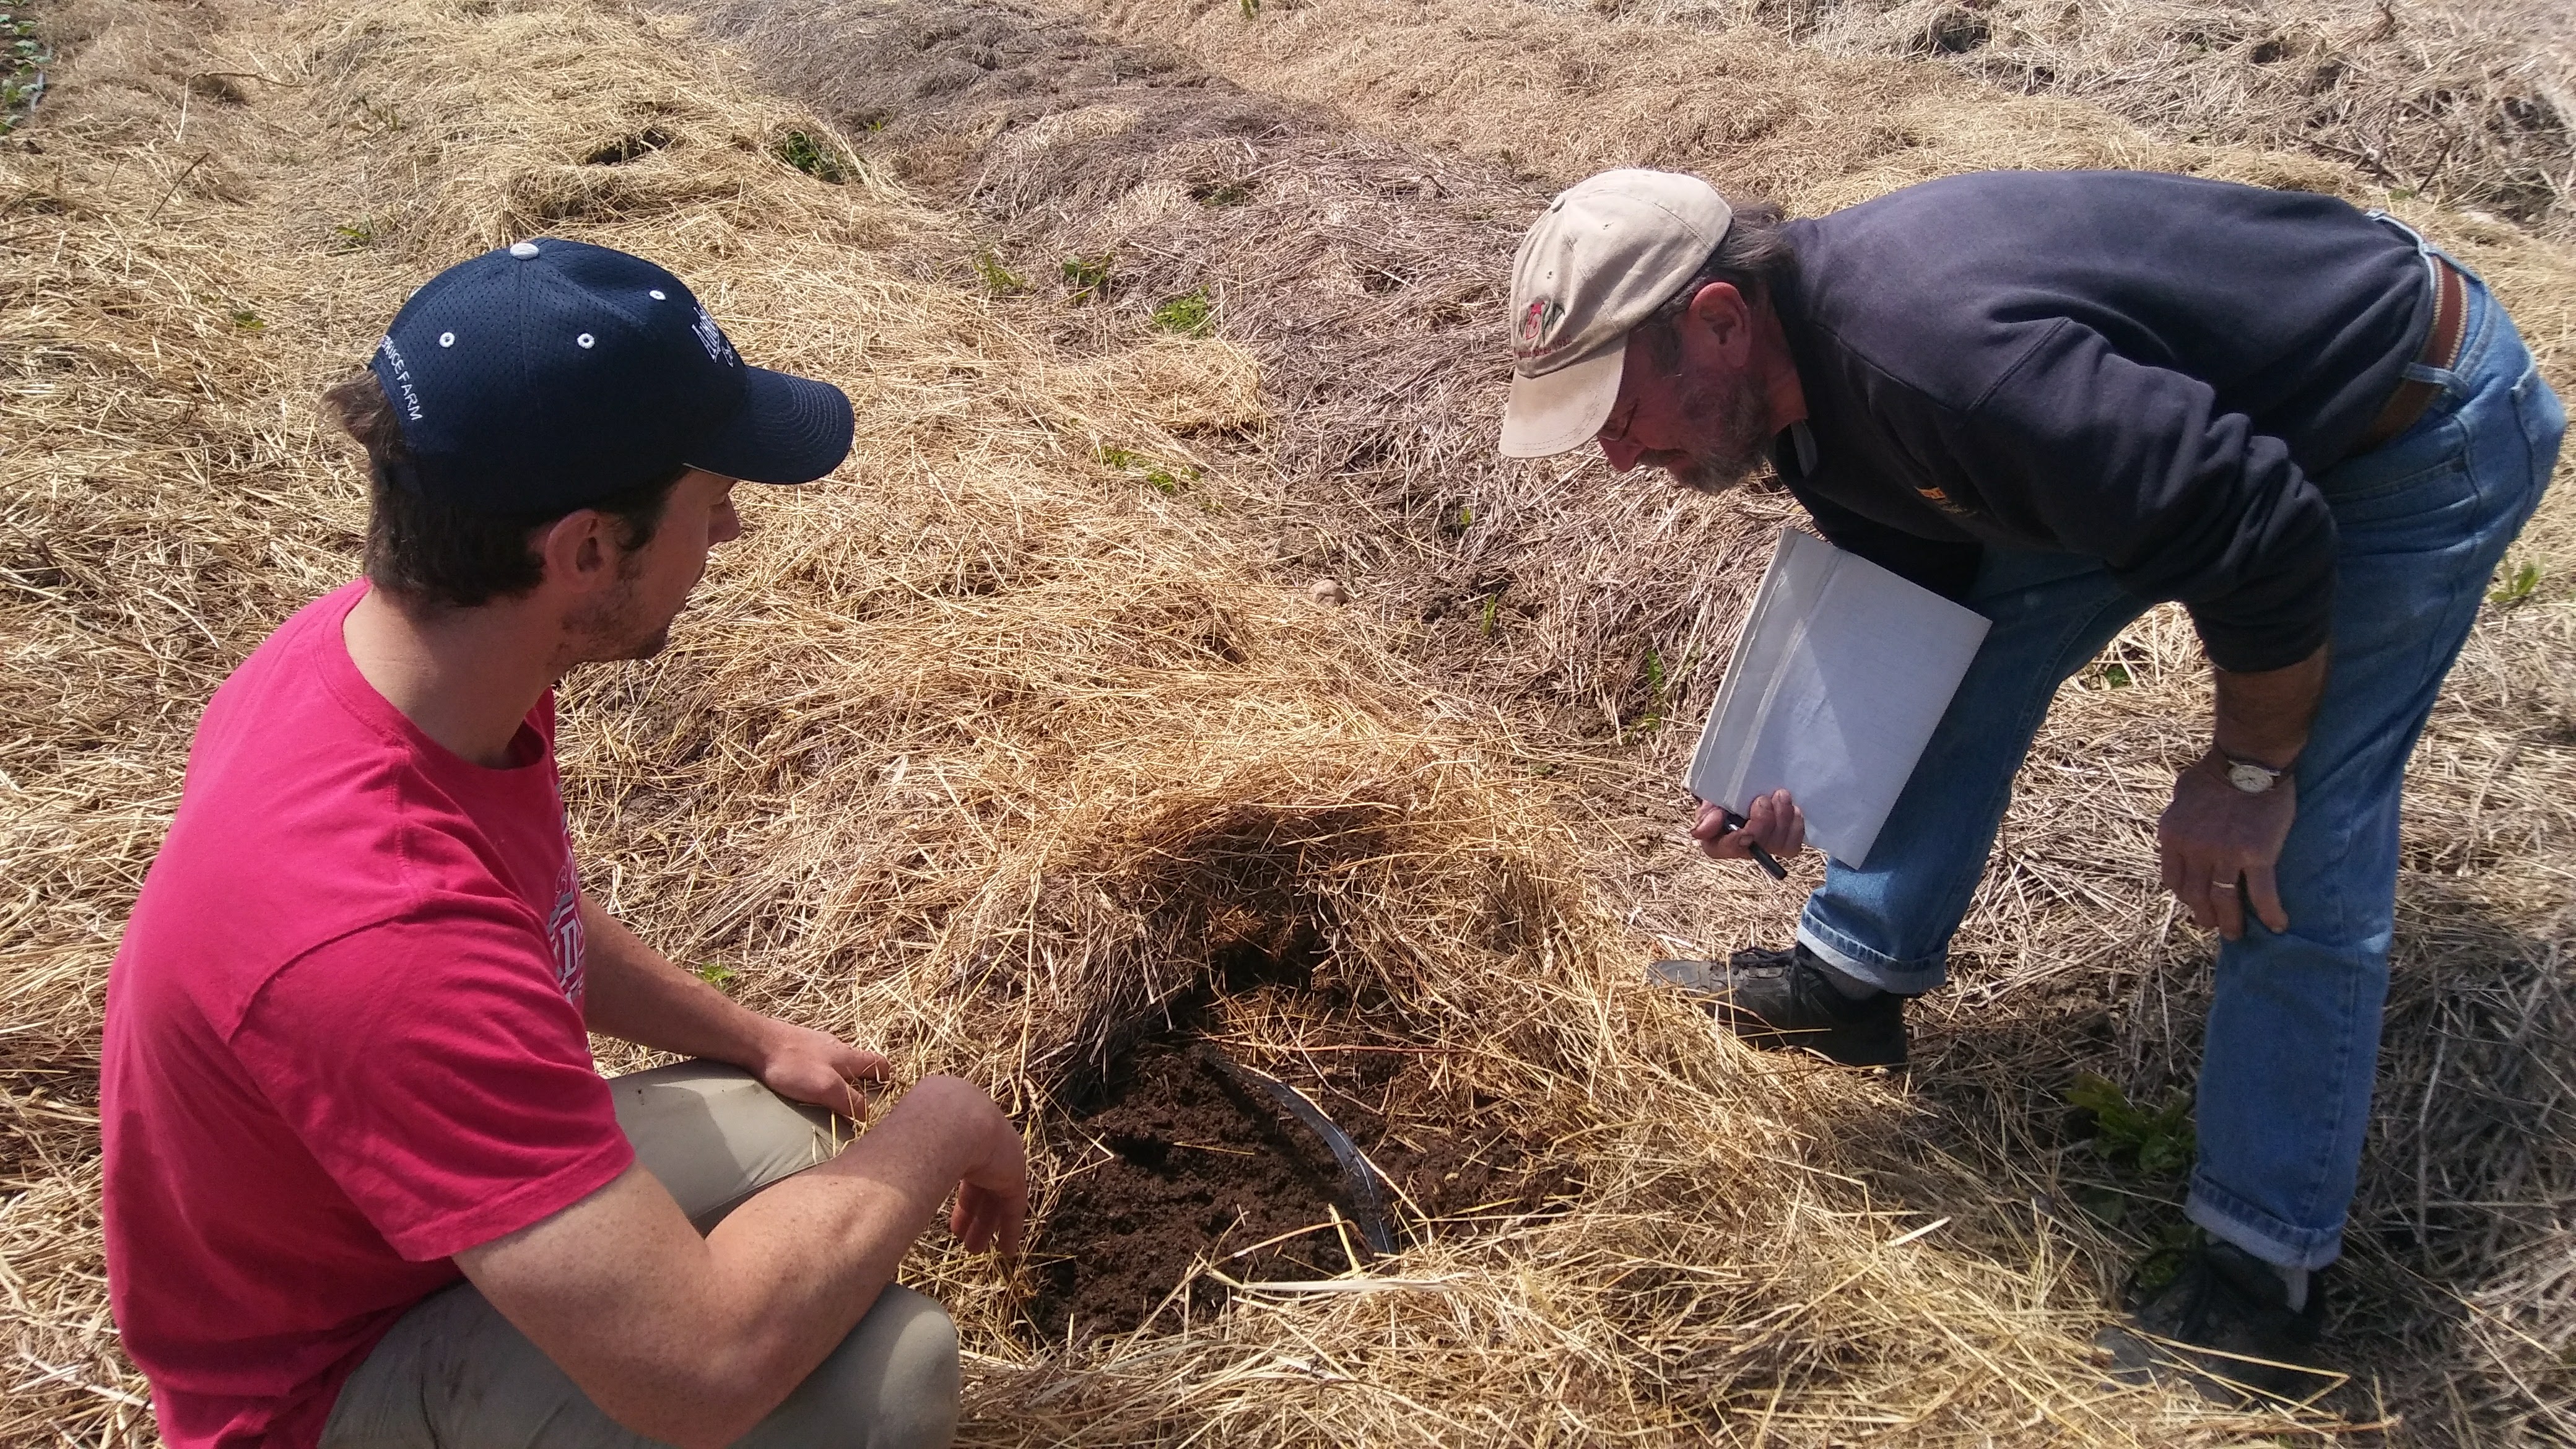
(1088, 277)
(814, 155)
(1169, 479)
(2516, 588)
(999, 280)
(1186, 314)
(2160, 1141)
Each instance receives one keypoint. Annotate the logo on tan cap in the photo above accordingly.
(1535, 320)
(1603, 256)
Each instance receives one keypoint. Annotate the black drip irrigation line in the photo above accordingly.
(1360, 1182)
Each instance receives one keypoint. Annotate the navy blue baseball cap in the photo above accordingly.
(549, 375)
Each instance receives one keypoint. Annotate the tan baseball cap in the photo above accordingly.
(1603, 256)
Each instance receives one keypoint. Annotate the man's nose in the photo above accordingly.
(1622, 454)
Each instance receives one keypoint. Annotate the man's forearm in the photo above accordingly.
(809, 1255)
(635, 993)
(691, 1341)
(2264, 717)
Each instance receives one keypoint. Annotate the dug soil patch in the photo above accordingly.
(1183, 1167)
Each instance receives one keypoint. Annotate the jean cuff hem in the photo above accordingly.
(1863, 964)
(2223, 1214)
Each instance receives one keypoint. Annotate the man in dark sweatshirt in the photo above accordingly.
(2059, 398)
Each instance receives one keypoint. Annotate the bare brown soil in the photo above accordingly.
(1182, 1178)
(1183, 1169)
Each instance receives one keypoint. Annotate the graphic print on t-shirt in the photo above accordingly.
(563, 927)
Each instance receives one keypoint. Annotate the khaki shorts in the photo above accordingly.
(453, 1372)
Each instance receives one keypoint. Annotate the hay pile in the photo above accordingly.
(986, 749)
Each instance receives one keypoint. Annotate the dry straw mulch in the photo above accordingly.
(984, 749)
(1344, 184)
(2469, 101)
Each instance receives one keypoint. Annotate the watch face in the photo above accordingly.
(2252, 779)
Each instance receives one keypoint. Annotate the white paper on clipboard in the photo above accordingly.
(1837, 682)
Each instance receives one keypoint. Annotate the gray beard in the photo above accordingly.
(1732, 422)
(1709, 477)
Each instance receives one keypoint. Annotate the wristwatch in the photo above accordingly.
(2250, 777)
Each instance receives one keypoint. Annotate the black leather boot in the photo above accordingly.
(1782, 998)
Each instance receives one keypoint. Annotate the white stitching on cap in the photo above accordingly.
(584, 339)
(447, 339)
(656, 295)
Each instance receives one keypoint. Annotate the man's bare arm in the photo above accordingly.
(2265, 717)
(635, 993)
(690, 1340)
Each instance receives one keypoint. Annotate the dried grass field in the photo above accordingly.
(2472, 102)
(1026, 741)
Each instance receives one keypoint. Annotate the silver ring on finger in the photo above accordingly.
(2222, 885)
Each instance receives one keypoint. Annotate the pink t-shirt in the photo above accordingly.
(344, 1040)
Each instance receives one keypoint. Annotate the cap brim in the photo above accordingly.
(788, 430)
(1557, 412)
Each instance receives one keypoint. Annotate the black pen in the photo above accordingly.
(1734, 823)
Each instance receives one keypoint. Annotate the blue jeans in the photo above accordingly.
(2293, 1033)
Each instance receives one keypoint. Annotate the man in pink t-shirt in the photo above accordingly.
(363, 1183)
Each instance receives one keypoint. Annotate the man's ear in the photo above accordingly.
(579, 554)
(1721, 309)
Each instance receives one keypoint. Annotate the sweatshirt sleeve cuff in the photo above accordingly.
(2275, 644)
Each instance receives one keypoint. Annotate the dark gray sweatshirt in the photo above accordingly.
(2140, 368)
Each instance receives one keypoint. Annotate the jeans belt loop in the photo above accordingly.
(2441, 348)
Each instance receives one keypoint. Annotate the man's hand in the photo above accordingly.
(2219, 845)
(804, 1065)
(690, 1340)
(993, 1191)
(1775, 823)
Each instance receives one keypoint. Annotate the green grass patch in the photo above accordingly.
(22, 67)
(814, 155)
(1087, 278)
(2157, 1140)
(1651, 669)
(1169, 479)
(1186, 314)
(999, 280)
(2517, 587)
